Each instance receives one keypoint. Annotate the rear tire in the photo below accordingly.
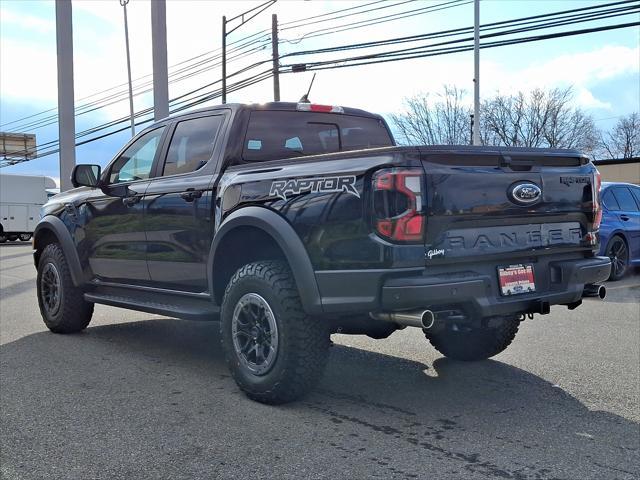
(274, 350)
(470, 344)
(62, 304)
(12, 238)
(618, 251)
(3, 238)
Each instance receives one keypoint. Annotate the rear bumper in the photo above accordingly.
(559, 281)
(564, 285)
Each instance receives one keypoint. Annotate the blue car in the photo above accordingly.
(620, 227)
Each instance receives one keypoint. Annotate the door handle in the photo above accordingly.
(191, 195)
(129, 201)
(624, 217)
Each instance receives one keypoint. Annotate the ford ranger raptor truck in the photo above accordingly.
(289, 222)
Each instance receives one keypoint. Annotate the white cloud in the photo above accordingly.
(27, 22)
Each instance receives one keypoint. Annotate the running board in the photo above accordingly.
(188, 308)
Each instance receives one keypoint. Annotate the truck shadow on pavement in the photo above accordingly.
(154, 398)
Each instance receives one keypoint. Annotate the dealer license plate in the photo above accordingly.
(516, 279)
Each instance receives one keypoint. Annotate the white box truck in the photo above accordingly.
(21, 197)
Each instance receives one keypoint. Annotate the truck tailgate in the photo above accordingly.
(506, 202)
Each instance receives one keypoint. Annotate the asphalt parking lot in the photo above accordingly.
(142, 396)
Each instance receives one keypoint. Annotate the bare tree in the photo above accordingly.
(623, 141)
(444, 121)
(542, 118)
(539, 119)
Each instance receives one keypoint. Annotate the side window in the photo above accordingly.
(625, 199)
(136, 161)
(610, 201)
(192, 145)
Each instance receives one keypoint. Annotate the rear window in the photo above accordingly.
(625, 199)
(275, 134)
(610, 201)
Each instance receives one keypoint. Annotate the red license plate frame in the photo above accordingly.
(516, 279)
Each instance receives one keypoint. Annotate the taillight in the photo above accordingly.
(592, 236)
(398, 201)
(597, 207)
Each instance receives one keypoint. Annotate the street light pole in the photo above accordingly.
(224, 59)
(476, 69)
(276, 58)
(126, 39)
(260, 8)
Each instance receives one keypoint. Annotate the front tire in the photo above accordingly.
(470, 344)
(62, 304)
(25, 237)
(618, 252)
(274, 350)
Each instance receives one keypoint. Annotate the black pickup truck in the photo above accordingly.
(289, 222)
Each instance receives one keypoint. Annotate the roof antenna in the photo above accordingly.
(305, 97)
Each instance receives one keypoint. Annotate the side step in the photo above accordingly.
(188, 308)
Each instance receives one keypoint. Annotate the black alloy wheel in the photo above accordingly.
(618, 252)
(255, 333)
(50, 289)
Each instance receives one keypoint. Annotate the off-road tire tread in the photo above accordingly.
(76, 311)
(310, 337)
(479, 344)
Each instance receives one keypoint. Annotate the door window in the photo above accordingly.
(625, 199)
(192, 145)
(136, 161)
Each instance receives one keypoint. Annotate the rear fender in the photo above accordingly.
(288, 241)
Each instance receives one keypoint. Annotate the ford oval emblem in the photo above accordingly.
(525, 193)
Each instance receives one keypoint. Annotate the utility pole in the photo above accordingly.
(224, 59)
(244, 17)
(126, 40)
(276, 57)
(159, 52)
(66, 114)
(476, 69)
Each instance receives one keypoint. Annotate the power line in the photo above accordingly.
(50, 148)
(462, 30)
(112, 100)
(386, 5)
(384, 57)
(120, 96)
(379, 20)
(260, 36)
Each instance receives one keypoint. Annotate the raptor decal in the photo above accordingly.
(284, 188)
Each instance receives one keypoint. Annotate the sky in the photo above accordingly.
(602, 68)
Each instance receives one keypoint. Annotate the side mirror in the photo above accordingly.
(86, 175)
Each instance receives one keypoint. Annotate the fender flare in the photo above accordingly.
(288, 241)
(58, 228)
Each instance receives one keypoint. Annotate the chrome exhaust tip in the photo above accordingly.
(420, 319)
(428, 319)
(594, 290)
